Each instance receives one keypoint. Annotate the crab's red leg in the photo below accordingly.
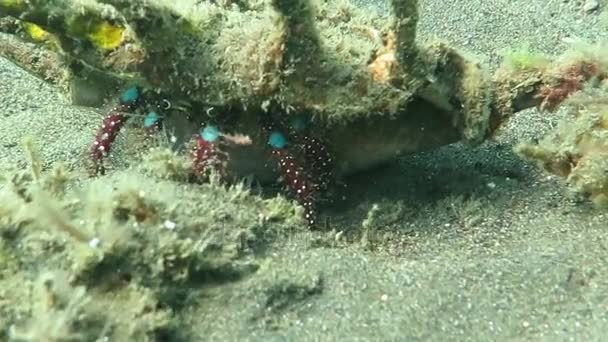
(111, 125)
(319, 160)
(206, 154)
(317, 157)
(295, 176)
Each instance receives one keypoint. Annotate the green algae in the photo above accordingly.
(116, 258)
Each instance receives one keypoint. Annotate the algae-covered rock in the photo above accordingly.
(369, 89)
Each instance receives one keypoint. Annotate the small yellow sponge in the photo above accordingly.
(36, 32)
(106, 36)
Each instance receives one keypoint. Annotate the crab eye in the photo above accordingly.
(165, 104)
(298, 123)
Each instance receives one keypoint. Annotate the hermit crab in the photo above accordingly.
(304, 90)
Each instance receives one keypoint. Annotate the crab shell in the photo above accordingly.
(370, 98)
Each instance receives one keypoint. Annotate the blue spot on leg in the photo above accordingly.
(151, 120)
(130, 95)
(277, 140)
(210, 133)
